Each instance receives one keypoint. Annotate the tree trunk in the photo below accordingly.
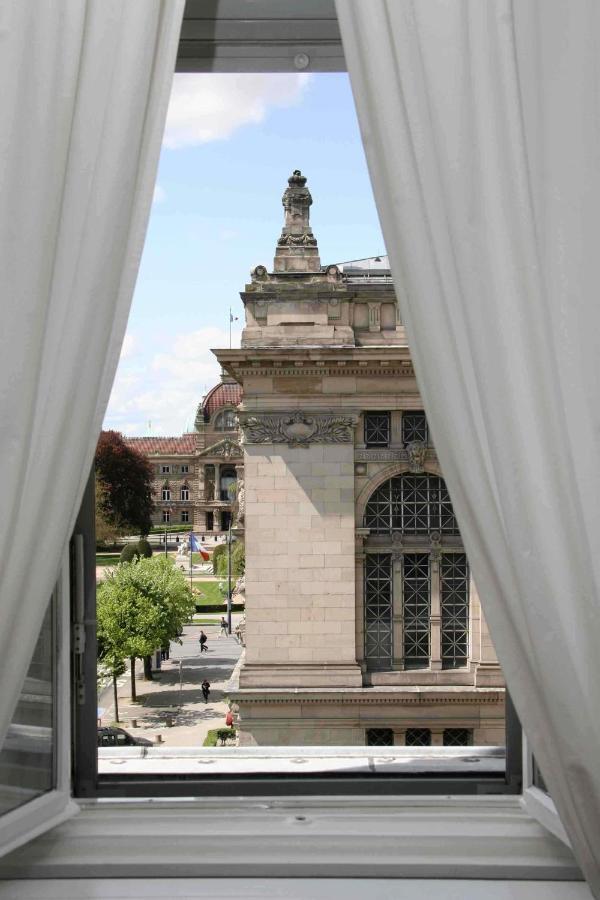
(148, 668)
(116, 698)
(132, 669)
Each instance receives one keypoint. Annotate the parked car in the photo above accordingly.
(118, 737)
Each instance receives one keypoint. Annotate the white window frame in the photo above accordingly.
(537, 802)
(185, 512)
(166, 516)
(54, 806)
(165, 470)
(165, 494)
(185, 469)
(186, 491)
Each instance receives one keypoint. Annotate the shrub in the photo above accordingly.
(218, 552)
(129, 553)
(144, 549)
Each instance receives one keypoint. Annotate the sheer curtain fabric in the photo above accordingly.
(85, 89)
(481, 125)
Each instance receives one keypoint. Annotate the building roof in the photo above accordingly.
(185, 444)
(226, 393)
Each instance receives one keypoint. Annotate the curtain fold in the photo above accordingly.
(85, 89)
(481, 127)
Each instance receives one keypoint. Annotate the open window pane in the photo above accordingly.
(27, 757)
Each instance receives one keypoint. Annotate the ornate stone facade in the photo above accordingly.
(196, 474)
(361, 617)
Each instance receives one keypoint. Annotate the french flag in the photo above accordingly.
(196, 547)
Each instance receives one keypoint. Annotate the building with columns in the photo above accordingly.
(195, 475)
(363, 625)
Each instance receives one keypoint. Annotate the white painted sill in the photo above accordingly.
(321, 837)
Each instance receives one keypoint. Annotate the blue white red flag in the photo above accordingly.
(196, 547)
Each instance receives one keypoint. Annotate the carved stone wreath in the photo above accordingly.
(298, 429)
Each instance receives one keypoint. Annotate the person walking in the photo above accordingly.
(205, 689)
(224, 629)
(203, 639)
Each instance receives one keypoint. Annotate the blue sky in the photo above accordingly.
(230, 144)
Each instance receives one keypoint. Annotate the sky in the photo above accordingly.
(230, 143)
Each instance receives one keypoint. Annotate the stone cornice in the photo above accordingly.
(368, 696)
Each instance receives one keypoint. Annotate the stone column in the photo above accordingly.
(217, 495)
(437, 737)
(300, 550)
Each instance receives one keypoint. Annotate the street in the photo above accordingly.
(178, 699)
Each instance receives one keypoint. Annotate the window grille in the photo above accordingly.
(380, 737)
(457, 737)
(416, 607)
(377, 429)
(454, 598)
(411, 504)
(414, 428)
(185, 516)
(418, 737)
(166, 494)
(378, 610)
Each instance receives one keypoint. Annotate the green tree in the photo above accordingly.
(142, 605)
(144, 549)
(238, 560)
(125, 477)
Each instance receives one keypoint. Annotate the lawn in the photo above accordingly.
(210, 593)
(107, 559)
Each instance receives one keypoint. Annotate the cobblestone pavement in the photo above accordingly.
(181, 702)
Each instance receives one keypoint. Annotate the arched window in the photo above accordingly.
(411, 504)
(226, 420)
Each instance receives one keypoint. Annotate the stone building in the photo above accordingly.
(195, 475)
(363, 623)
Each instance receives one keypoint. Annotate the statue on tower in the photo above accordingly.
(297, 249)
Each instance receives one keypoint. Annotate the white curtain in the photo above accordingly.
(84, 92)
(481, 125)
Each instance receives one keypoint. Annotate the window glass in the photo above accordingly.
(411, 504)
(380, 737)
(377, 429)
(27, 763)
(414, 428)
(457, 737)
(418, 737)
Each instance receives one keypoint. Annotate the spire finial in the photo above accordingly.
(297, 249)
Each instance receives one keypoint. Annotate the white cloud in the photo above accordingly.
(207, 108)
(167, 391)
(160, 195)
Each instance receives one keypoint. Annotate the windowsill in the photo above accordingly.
(341, 837)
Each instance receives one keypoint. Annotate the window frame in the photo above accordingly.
(54, 806)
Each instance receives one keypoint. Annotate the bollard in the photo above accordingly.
(134, 723)
(159, 739)
(169, 721)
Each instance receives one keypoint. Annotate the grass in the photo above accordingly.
(107, 559)
(210, 593)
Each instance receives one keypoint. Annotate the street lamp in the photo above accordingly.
(168, 511)
(229, 579)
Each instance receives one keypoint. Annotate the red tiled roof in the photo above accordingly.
(223, 394)
(186, 444)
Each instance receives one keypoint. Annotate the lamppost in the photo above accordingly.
(229, 579)
(167, 520)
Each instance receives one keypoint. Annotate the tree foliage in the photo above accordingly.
(124, 499)
(129, 553)
(238, 560)
(142, 605)
(144, 549)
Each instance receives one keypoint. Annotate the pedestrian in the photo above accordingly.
(229, 718)
(205, 689)
(164, 652)
(224, 629)
(203, 639)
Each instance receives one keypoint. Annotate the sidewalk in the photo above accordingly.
(167, 698)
